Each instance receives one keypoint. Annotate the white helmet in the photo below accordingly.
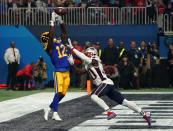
(91, 51)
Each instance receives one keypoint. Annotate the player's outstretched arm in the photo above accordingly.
(63, 32)
(78, 53)
(64, 37)
(50, 41)
(51, 32)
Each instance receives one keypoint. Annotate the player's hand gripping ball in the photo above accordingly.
(60, 11)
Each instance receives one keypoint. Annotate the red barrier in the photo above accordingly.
(3, 86)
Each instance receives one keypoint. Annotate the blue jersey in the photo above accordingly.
(59, 57)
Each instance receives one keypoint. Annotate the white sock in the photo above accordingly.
(132, 106)
(100, 102)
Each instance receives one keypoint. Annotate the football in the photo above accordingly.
(60, 11)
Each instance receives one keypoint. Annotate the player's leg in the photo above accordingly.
(95, 96)
(58, 88)
(118, 97)
(66, 82)
(60, 84)
(54, 105)
(131, 105)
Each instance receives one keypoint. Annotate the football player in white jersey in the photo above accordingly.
(104, 85)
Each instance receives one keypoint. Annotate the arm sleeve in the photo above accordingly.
(82, 56)
(50, 41)
(64, 33)
(5, 57)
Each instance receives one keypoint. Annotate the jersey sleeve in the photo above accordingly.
(82, 56)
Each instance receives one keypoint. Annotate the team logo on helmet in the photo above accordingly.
(44, 39)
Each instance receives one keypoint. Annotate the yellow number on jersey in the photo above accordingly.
(61, 53)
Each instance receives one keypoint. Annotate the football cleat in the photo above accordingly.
(147, 117)
(46, 113)
(56, 117)
(111, 115)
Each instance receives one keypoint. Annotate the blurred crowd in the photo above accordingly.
(160, 4)
(155, 9)
(135, 67)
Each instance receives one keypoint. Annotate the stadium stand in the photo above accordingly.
(117, 18)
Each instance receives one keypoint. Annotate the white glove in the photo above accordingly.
(53, 16)
(70, 59)
(70, 44)
(56, 17)
(52, 23)
(59, 19)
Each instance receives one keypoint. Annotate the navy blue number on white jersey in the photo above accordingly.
(94, 75)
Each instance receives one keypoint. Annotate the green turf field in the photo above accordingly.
(6, 95)
(10, 94)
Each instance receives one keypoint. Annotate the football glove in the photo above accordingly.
(70, 44)
(56, 17)
(52, 23)
(53, 16)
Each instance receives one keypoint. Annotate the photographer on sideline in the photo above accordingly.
(25, 76)
(40, 74)
(149, 61)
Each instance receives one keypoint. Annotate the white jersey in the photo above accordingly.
(12, 55)
(97, 74)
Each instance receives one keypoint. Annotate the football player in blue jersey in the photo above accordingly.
(60, 58)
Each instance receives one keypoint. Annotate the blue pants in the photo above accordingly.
(109, 90)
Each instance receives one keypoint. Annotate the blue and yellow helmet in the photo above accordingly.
(44, 39)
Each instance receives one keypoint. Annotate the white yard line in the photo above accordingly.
(99, 122)
(15, 108)
(18, 107)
